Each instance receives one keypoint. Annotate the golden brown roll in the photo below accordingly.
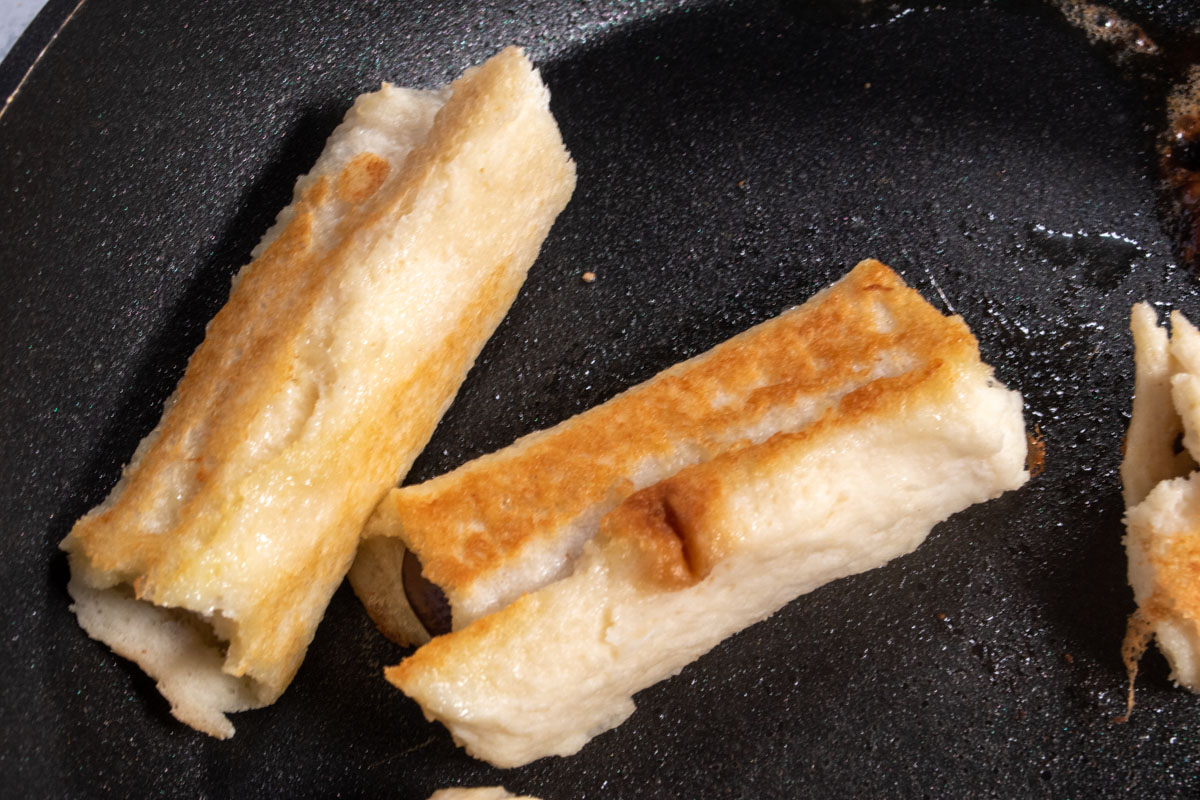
(342, 343)
(591, 560)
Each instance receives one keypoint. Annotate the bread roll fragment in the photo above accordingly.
(477, 793)
(342, 343)
(1162, 496)
(819, 444)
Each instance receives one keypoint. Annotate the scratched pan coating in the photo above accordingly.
(733, 158)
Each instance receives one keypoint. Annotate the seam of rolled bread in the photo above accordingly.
(317, 384)
(1162, 495)
(914, 428)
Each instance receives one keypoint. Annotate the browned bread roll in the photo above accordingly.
(589, 561)
(341, 345)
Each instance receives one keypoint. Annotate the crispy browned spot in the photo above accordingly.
(1035, 460)
(665, 545)
(1178, 572)
(362, 177)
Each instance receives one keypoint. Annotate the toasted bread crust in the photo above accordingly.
(327, 370)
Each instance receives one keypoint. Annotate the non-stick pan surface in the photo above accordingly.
(733, 158)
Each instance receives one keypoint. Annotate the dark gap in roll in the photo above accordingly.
(427, 600)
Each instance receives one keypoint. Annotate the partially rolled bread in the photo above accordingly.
(633, 538)
(342, 343)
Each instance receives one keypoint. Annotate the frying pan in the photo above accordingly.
(733, 158)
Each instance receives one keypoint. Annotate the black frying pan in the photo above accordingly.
(733, 158)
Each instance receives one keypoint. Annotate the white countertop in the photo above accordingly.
(15, 16)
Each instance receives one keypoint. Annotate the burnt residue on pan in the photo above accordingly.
(1166, 58)
(1158, 47)
(1180, 159)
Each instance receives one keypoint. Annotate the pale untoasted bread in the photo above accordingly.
(1162, 496)
(819, 444)
(341, 345)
